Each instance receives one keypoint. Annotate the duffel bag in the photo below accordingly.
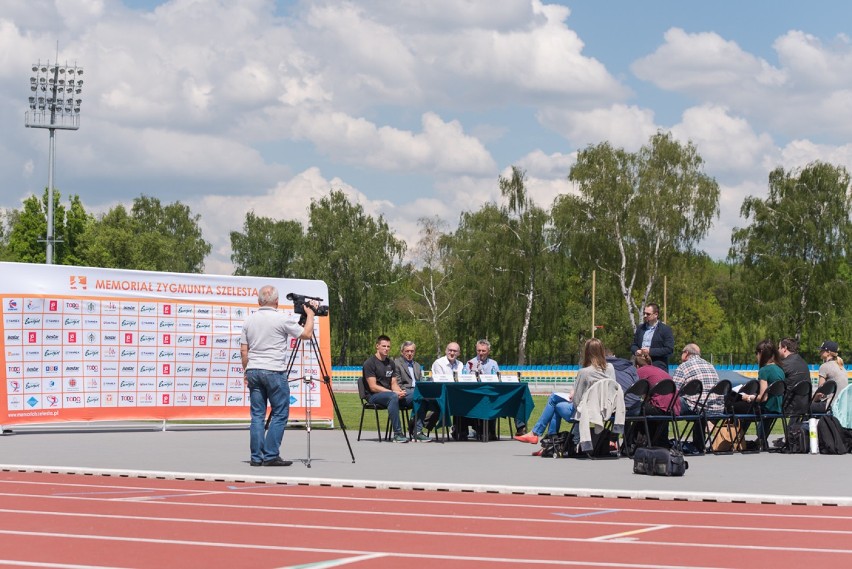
(659, 461)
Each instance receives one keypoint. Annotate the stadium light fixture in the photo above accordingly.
(54, 104)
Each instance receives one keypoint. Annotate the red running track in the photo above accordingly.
(58, 520)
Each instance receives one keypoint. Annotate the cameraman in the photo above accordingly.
(264, 344)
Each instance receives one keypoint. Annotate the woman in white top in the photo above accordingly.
(562, 405)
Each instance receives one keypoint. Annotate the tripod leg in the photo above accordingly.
(326, 379)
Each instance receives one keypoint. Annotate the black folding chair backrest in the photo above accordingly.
(776, 389)
(639, 389)
(751, 387)
(827, 390)
(798, 399)
(690, 389)
(721, 389)
(362, 388)
(664, 387)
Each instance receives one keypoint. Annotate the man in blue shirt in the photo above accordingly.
(653, 338)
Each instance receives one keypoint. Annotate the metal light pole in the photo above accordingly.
(55, 105)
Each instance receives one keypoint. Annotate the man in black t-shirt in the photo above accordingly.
(380, 379)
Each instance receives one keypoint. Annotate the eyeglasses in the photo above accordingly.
(649, 313)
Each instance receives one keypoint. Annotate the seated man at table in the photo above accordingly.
(383, 388)
(409, 372)
(483, 364)
(450, 366)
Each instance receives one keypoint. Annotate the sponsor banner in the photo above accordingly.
(84, 344)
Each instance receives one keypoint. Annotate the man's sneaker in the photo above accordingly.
(400, 438)
(421, 438)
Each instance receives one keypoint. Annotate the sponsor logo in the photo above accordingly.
(91, 307)
(201, 369)
(125, 323)
(126, 398)
(72, 321)
(32, 401)
(184, 310)
(73, 399)
(72, 337)
(13, 337)
(148, 308)
(110, 338)
(72, 305)
(51, 369)
(165, 383)
(32, 337)
(128, 369)
(165, 399)
(199, 384)
(128, 308)
(92, 353)
(167, 324)
(90, 399)
(167, 309)
(167, 369)
(32, 385)
(202, 325)
(147, 338)
(183, 369)
(203, 355)
(53, 306)
(72, 368)
(12, 304)
(184, 339)
(235, 399)
(30, 369)
(92, 367)
(29, 321)
(51, 353)
(166, 354)
(125, 383)
(128, 353)
(147, 369)
(221, 340)
(91, 337)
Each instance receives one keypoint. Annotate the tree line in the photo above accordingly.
(518, 273)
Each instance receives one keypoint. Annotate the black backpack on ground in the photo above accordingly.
(798, 440)
(833, 438)
(559, 445)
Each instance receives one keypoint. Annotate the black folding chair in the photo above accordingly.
(663, 387)
(639, 389)
(797, 404)
(713, 416)
(693, 419)
(823, 399)
(376, 407)
(769, 418)
(733, 422)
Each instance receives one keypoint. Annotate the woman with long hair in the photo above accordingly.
(561, 405)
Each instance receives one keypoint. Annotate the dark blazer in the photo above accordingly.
(402, 373)
(662, 343)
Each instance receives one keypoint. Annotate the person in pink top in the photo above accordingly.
(658, 404)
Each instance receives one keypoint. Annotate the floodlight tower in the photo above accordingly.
(55, 105)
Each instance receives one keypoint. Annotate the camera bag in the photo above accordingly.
(659, 461)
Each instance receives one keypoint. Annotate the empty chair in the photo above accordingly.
(631, 423)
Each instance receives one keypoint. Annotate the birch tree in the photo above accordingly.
(636, 211)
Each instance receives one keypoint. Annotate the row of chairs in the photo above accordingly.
(734, 419)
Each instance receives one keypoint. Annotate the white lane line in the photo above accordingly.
(615, 536)
(514, 561)
(20, 563)
(508, 519)
(275, 491)
(421, 533)
(336, 562)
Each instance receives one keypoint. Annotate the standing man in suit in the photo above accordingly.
(409, 372)
(653, 338)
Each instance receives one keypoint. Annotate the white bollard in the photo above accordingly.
(812, 429)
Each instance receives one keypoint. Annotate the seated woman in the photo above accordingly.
(832, 369)
(561, 405)
(658, 404)
(768, 373)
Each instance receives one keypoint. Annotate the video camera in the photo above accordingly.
(299, 305)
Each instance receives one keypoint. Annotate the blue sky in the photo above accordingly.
(415, 108)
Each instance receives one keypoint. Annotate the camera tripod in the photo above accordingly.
(326, 379)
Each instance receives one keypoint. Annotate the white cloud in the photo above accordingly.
(627, 127)
(728, 144)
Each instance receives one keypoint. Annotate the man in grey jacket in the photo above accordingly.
(409, 372)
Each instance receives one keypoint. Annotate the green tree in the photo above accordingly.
(361, 261)
(266, 247)
(795, 251)
(151, 237)
(28, 230)
(636, 212)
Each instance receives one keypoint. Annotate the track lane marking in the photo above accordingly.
(615, 536)
(54, 535)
